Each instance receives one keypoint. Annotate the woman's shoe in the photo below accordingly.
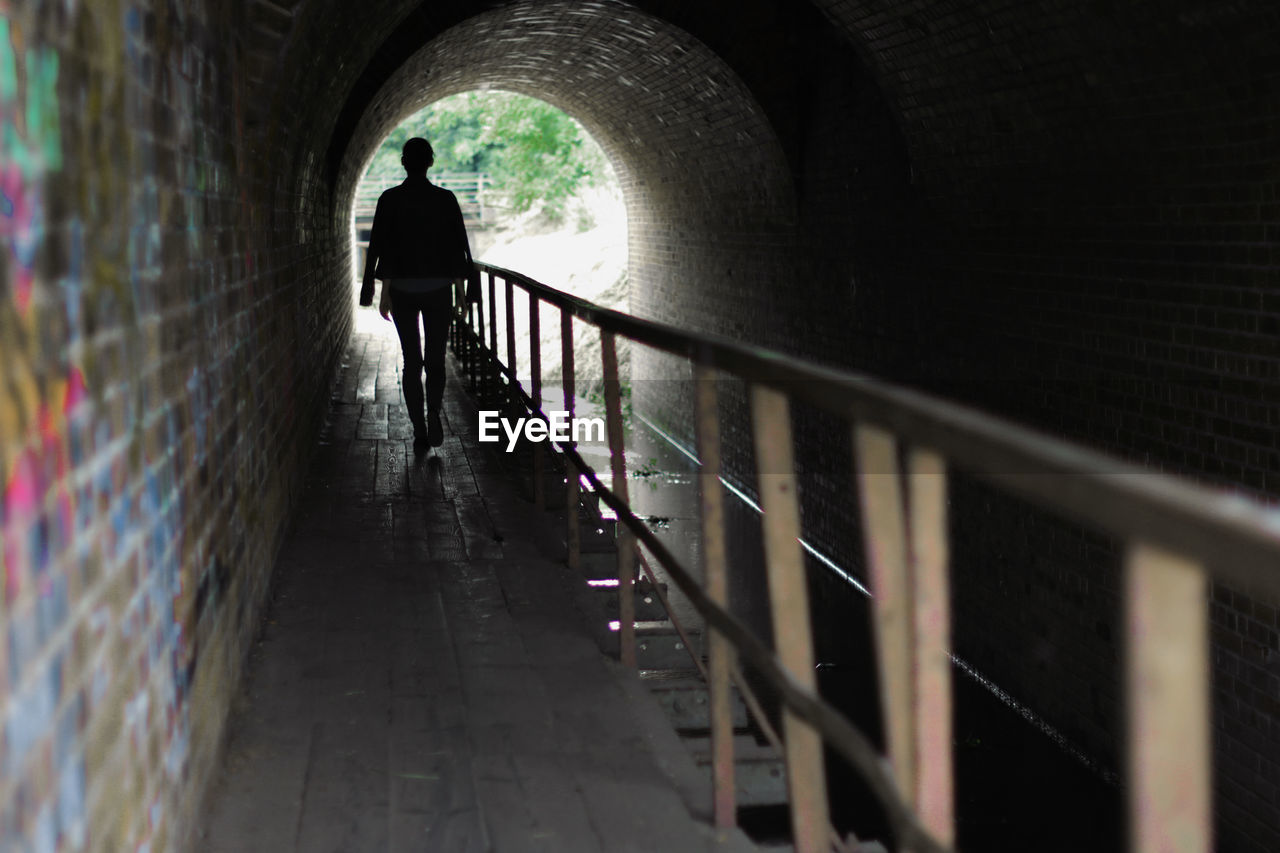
(435, 430)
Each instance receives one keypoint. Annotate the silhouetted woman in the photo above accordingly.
(418, 247)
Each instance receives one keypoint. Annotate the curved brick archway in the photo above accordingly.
(1063, 212)
(707, 188)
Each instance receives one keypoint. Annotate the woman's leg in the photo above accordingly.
(404, 311)
(437, 311)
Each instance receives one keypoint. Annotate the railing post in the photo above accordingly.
(879, 480)
(927, 498)
(715, 573)
(911, 609)
(511, 342)
(467, 331)
(478, 376)
(789, 603)
(493, 383)
(459, 321)
(626, 539)
(573, 540)
(1167, 689)
(473, 339)
(453, 320)
(535, 394)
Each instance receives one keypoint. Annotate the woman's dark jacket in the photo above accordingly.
(418, 232)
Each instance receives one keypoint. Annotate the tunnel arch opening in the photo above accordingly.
(538, 195)
(537, 191)
(708, 192)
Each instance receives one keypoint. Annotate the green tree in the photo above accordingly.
(535, 153)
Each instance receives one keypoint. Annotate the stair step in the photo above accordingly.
(759, 776)
(597, 565)
(745, 748)
(664, 649)
(658, 647)
(760, 782)
(594, 538)
(590, 502)
(648, 607)
(759, 773)
(686, 704)
(553, 491)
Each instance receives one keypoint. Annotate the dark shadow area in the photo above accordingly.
(1016, 787)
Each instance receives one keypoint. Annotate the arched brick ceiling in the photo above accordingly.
(740, 34)
(704, 174)
(1056, 85)
(1143, 91)
(666, 109)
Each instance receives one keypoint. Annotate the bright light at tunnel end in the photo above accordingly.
(558, 427)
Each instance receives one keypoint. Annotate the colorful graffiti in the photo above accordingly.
(30, 147)
(44, 401)
(82, 498)
(40, 470)
(128, 206)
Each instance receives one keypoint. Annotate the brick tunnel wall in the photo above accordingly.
(1097, 213)
(1062, 212)
(172, 299)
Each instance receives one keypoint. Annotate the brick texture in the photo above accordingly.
(172, 296)
(1094, 199)
(1061, 212)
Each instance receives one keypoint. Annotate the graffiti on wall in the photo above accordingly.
(132, 230)
(94, 556)
(30, 146)
(43, 400)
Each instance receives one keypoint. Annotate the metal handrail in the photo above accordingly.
(1116, 496)
(470, 188)
(1177, 533)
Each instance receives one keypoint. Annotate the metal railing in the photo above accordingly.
(471, 188)
(1176, 535)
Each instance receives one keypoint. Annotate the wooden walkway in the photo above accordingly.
(424, 681)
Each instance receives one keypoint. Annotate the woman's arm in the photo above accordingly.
(371, 256)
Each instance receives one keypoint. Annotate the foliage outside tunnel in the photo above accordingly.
(551, 207)
(534, 153)
(1066, 212)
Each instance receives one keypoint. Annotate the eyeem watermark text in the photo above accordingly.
(560, 428)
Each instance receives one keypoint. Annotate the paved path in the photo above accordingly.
(424, 681)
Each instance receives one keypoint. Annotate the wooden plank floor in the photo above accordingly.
(423, 680)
